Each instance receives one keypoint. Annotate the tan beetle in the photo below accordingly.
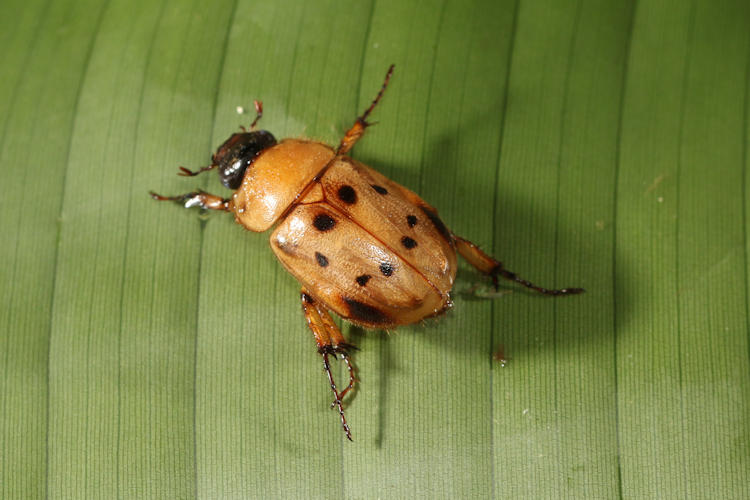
(362, 246)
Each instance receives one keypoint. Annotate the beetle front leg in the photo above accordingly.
(330, 341)
(494, 268)
(199, 199)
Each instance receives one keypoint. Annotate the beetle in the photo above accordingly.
(362, 246)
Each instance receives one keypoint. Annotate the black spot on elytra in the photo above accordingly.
(379, 189)
(362, 280)
(432, 215)
(322, 259)
(386, 268)
(411, 220)
(324, 222)
(364, 313)
(347, 194)
(408, 242)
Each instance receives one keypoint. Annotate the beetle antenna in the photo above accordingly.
(258, 113)
(189, 173)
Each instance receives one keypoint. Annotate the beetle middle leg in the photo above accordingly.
(358, 129)
(200, 199)
(488, 265)
(330, 341)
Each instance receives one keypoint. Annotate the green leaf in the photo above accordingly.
(150, 352)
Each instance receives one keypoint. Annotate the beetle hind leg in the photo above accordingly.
(493, 268)
(330, 342)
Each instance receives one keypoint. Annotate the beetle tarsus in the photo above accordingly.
(337, 402)
(510, 275)
(198, 198)
(360, 124)
(350, 368)
(330, 342)
(375, 101)
(343, 351)
(493, 268)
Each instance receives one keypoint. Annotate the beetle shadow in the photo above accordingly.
(386, 364)
(586, 235)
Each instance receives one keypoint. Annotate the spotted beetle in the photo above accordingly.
(362, 246)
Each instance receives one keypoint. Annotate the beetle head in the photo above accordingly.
(238, 152)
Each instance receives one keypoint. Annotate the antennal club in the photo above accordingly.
(258, 113)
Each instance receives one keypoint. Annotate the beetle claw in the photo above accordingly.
(496, 282)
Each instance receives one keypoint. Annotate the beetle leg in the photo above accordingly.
(200, 199)
(494, 268)
(340, 347)
(330, 341)
(358, 129)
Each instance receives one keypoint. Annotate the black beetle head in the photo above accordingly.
(238, 152)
